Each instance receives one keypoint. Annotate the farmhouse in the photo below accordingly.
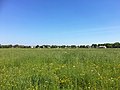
(102, 47)
(32, 46)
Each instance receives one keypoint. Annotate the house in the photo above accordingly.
(32, 46)
(102, 47)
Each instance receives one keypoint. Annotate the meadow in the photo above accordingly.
(59, 69)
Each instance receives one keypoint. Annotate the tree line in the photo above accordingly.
(107, 45)
(14, 46)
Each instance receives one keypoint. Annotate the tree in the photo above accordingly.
(116, 45)
(68, 46)
(82, 46)
(16, 46)
(73, 46)
(6, 46)
(9, 46)
(101, 45)
(41, 46)
(94, 46)
(46, 46)
(63, 46)
(87, 46)
(54, 46)
(37, 46)
(108, 45)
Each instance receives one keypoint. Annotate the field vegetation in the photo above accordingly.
(59, 69)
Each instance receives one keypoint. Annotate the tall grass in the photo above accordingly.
(59, 69)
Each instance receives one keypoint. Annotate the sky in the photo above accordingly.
(59, 22)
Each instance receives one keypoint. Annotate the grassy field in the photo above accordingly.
(59, 69)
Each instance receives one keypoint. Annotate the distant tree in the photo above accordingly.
(88, 46)
(108, 45)
(94, 46)
(16, 46)
(37, 46)
(21, 46)
(41, 46)
(26, 46)
(116, 45)
(82, 46)
(6, 46)
(10, 46)
(101, 45)
(29, 47)
(73, 46)
(54, 46)
(68, 46)
(46, 46)
(63, 46)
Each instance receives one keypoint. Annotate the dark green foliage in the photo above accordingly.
(94, 46)
(108, 45)
(37, 46)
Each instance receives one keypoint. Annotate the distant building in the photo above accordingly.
(32, 46)
(102, 47)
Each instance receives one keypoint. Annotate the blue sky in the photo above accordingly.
(32, 22)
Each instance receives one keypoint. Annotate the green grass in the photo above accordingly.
(59, 69)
